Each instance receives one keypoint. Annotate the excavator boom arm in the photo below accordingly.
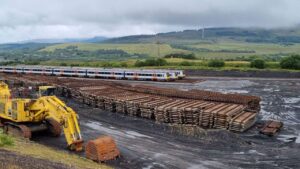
(53, 108)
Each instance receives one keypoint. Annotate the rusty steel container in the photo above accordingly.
(102, 149)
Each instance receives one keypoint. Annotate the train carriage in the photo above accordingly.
(130, 74)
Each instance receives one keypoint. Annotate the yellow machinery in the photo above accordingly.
(46, 113)
(46, 91)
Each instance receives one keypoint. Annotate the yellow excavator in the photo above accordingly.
(23, 117)
(47, 113)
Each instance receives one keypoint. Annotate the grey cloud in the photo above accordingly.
(20, 20)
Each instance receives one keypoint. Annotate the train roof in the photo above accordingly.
(102, 69)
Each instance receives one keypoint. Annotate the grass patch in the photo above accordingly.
(172, 63)
(5, 140)
(43, 152)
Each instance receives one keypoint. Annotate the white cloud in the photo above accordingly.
(30, 19)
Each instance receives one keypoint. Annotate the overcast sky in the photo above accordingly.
(39, 19)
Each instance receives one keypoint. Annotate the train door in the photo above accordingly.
(135, 76)
(113, 75)
(154, 77)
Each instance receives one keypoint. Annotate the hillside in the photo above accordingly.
(213, 50)
(215, 43)
(148, 49)
(213, 34)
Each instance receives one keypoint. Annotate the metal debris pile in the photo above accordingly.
(102, 149)
(271, 127)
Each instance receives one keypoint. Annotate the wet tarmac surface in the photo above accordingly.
(146, 144)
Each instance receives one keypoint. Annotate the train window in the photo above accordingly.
(91, 72)
(103, 73)
(145, 74)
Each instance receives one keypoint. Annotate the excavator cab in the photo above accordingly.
(46, 91)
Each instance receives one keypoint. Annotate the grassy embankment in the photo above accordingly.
(28, 148)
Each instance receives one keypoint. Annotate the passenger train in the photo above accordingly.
(126, 74)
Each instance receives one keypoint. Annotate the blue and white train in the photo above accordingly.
(126, 74)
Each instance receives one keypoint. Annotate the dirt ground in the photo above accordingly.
(145, 144)
(11, 160)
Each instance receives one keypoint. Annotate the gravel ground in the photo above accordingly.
(145, 144)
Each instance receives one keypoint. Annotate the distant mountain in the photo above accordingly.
(238, 34)
(37, 44)
(96, 39)
(22, 46)
(208, 35)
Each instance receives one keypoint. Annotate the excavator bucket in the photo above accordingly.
(102, 149)
(76, 146)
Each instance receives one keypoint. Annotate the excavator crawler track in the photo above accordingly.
(17, 130)
(54, 127)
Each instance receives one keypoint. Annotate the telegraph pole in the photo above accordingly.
(158, 47)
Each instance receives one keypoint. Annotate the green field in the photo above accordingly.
(145, 48)
(222, 50)
(236, 46)
(217, 50)
(236, 54)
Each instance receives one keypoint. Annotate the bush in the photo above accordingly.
(63, 64)
(123, 64)
(151, 62)
(32, 62)
(5, 140)
(74, 65)
(216, 63)
(185, 63)
(258, 63)
(139, 63)
(291, 62)
(181, 55)
(161, 62)
(106, 64)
